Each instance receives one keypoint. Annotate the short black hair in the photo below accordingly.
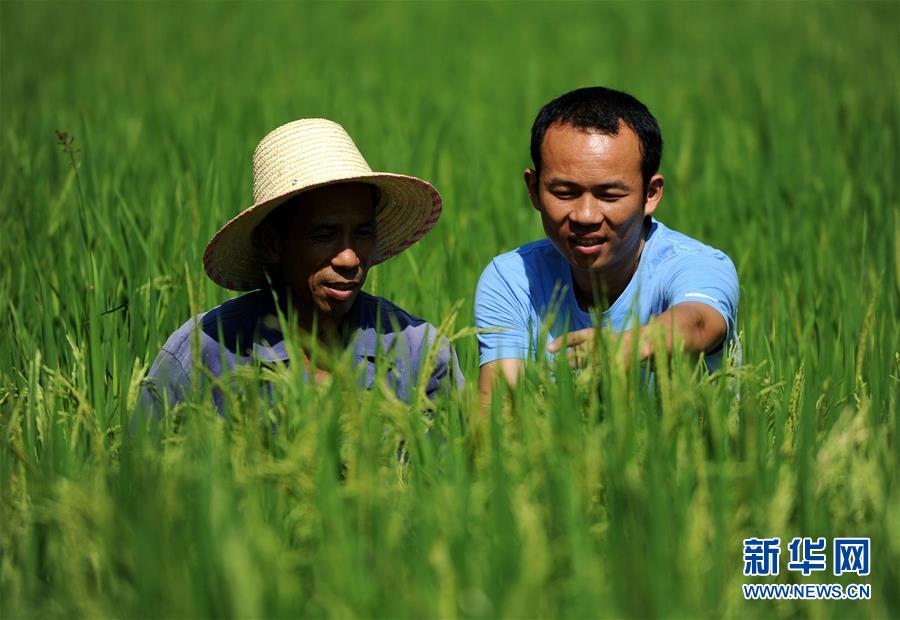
(601, 109)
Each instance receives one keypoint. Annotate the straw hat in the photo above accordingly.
(301, 156)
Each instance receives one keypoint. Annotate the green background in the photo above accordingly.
(781, 130)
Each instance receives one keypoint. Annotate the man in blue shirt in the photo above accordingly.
(596, 185)
(320, 219)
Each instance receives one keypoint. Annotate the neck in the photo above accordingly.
(324, 329)
(593, 288)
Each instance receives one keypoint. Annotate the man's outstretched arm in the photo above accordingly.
(691, 326)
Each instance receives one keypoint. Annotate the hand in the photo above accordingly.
(581, 351)
(579, 346)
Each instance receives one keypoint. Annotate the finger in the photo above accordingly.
(570, 339)
(557, 344)
(578, 356)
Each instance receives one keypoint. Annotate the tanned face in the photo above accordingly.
(324, 253)
(590, 194)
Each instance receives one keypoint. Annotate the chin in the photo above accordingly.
(327, 306)
(588, 263)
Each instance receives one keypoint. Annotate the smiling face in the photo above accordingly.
(324, 250)
(590, 194)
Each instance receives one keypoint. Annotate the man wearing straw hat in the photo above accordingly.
(320, 219)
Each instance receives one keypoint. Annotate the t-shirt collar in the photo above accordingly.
(269, 347)
(618, 305)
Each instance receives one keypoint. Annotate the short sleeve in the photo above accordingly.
(707, 278)
(498, 310)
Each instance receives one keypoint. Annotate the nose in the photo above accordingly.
(346, 259)
(587, 214)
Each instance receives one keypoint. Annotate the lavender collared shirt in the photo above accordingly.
(245, 329)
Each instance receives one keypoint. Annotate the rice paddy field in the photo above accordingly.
(581, 495)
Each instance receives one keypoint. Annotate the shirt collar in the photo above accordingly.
(269, 347)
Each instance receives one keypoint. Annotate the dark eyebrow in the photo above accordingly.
(562, 182)
(614, 185)
(602, 187)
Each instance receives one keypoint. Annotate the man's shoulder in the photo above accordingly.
(531, 271)
(380, 318)
(671, 246)
(230, 316)
(404, 333)
(534, 252)
(248, 305)
(534, 260)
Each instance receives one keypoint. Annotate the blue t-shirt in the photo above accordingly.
(518, 289)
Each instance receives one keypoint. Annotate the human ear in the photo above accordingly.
(268, 240)
(530, 176)
(654, 193)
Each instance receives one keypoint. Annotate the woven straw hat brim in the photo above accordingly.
(409, 207)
